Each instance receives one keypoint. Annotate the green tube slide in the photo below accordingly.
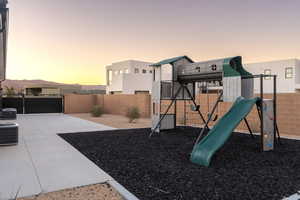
(220, 133)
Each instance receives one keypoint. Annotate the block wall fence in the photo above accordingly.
(112, 104)
(288, 108)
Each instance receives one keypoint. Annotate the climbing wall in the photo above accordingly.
(268, 125)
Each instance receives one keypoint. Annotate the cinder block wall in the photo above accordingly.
(288, 108)
(100, 100)
(119, 103)
(75, 103)
(288, 112)
(112, 104)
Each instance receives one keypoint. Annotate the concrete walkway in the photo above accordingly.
(42, 161)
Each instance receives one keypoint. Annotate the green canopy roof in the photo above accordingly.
(233, 67)
(170, 61)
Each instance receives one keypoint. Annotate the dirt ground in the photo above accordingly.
(90, 192)
(116, 121)
(119, 121)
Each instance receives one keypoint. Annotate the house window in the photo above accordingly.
(144, 71)
(126, 71)
(267, 72)
(153, 108)
(289, 73)
(136, 70)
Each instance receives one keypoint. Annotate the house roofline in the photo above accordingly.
(273, 61)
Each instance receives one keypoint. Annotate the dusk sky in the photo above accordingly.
(71, 41)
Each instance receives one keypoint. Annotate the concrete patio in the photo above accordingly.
(42, 161)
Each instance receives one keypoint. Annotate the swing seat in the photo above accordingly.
(214, 118)
(195, 108)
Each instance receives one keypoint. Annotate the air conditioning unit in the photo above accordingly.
(8, 134)
(8, 113)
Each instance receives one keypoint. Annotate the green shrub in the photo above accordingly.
(10, 91)
(133, 113)
(97, 111)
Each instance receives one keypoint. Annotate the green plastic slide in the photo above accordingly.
(219, 134)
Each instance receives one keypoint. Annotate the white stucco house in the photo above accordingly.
(132, 76)
(129, 77)
(287, 71)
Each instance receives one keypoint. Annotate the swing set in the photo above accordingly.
(235, 85)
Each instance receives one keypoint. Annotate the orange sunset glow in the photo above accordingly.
(71, 41)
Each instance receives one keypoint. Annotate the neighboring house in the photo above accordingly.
(129, 77)
(60, 89)
(287, 71)
(50, 90)
(93, 89)
(90, 92)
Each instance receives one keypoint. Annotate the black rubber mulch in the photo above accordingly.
(159, 168)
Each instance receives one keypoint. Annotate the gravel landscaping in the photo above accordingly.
(90, 192)
(159, 168)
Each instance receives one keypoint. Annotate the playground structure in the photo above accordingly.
(237, 85)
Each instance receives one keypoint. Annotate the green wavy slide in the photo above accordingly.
(220, 133)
